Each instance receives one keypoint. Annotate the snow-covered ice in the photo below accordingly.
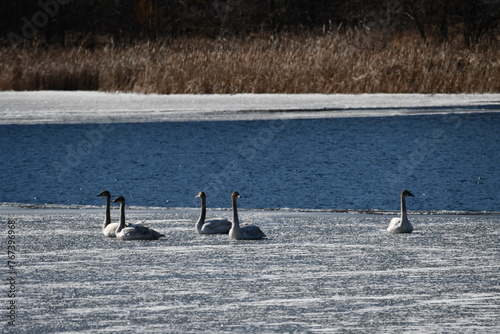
(317, 273)
(94, 107)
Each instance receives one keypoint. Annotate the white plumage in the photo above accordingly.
(212, 226)
(133, 232)
(246, 232)
(401, 224)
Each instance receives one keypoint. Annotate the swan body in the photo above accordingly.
(246, 232)
(213, 226)
(133, 232)
(108, 228)
(401, 224)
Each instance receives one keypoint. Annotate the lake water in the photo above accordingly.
(323, 189)
(449, 162)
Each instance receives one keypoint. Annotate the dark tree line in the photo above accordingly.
(91, 22)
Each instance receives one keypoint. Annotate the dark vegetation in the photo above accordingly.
(231, 46)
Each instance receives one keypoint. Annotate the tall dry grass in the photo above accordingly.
(328, 63)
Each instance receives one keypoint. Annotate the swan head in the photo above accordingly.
(201, 194)
(235, 194)
(406, 193)
(105, 193)
(119, 199)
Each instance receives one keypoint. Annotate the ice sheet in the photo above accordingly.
(96, 107)
(316, 273)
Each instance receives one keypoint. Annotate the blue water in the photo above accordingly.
(318, 272)
(449, 162)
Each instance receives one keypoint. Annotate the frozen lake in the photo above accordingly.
(317, 273)
(320, 174)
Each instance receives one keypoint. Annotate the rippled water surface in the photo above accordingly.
(317, 273)
(449, 162)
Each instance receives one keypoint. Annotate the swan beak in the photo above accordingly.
(410, 194)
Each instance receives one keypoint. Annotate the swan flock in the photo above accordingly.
(234, 229)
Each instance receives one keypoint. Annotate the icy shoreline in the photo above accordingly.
(61, 107)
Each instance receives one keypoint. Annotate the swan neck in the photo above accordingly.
(107, 219)
(403, 208)
(236, 221)
(122, 218)
(203, 214)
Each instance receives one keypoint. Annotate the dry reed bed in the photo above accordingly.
(297, 64)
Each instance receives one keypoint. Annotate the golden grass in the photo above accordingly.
(328, 63)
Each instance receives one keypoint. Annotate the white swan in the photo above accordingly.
(133, 232)
(108, 228)
(401, 224)
(212, 226)
(247, 232)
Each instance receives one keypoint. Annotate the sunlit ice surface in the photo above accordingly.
(318, 272)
